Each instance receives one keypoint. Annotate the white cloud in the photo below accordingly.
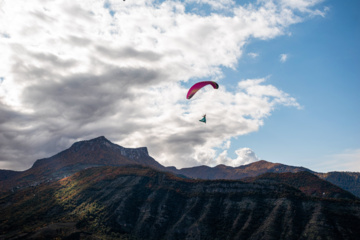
(77, 70)
(244, 156)
(283, 57)
(301, 5)
(253, 55)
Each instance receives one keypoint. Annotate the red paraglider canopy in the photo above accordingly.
(200, 85)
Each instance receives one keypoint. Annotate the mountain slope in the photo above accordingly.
(148, 204)
(81, 155)
(249, 170)
(7, 174)
(349, 181)
(306, 182)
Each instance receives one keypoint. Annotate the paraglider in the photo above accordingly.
(196, 87)
(203, 119)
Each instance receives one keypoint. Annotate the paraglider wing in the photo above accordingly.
(198, 86)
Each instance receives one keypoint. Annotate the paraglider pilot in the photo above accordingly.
(203, 119)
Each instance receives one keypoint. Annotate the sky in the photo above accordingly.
(288, 75)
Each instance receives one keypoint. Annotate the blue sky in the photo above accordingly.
(322, 72)
(288, 75)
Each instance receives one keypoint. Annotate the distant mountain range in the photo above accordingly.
(250, 170)
(101, 152)
(349, 181)
(99, 190)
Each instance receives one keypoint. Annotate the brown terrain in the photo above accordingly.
(99, 190)
(142, 203)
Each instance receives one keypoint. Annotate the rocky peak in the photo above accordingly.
(104, 143)
(81, 155)
(260, 165)
(90, 143)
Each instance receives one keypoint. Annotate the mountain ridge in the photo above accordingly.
(222, 171)
(102, 152)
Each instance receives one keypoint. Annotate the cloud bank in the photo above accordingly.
(74, 70)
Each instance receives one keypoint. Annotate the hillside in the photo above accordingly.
(306, 182)
(138, 202)
(349, 181)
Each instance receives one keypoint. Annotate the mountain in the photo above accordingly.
(100, 190)
(101, 152)
(81, 155)
(7, 174)
(249, 170)
(306, 182)
(136, 202)
(349, 181)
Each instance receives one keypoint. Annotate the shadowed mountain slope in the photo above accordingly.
(7, 174)
(81, 155)
(138, 202)
(306, 182)
(349, 181)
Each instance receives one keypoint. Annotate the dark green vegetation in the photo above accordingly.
(137, 202)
